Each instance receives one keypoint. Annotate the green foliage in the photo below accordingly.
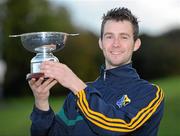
(159, 56)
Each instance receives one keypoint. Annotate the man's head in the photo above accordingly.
(121, 14)
(119, 37)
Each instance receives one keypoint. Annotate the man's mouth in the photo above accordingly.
(115, 52)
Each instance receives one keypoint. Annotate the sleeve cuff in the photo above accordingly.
(38, 111)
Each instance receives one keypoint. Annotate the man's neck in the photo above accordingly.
(109, 66)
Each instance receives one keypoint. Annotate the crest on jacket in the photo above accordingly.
(123, 101)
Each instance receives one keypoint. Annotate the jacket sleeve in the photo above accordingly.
(106, 119)
(45, 123)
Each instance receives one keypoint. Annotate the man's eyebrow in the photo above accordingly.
(122, 34)
(108, 33)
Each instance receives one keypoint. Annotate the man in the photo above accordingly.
(119, 102)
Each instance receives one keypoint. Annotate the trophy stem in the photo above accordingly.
(36, 62)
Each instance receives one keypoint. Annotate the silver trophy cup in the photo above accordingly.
(43, 44)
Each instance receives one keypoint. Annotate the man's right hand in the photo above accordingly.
(40, 89)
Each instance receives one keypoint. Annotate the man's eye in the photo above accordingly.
(108, 37)
(124, 37)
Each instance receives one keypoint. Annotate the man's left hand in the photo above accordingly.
(63, 74)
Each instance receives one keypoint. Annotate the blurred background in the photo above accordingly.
(158, 60)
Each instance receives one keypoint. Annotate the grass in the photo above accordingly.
(171, 119)
(15, 115)
(15, 112)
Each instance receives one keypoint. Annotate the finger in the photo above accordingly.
(46, 86)
(44, 66)
(51, 84)
(49, 64)
(47, 81)
(32, 81)
(46, 63)
(39, 81)
(49, 73)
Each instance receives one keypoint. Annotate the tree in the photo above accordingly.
(159, 56)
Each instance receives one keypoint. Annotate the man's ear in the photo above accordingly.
(137, 44)
(100, 43)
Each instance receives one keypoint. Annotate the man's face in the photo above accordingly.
(118, 43)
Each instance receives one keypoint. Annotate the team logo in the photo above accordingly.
(123, 101)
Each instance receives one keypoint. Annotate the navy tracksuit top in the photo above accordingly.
(118, 103)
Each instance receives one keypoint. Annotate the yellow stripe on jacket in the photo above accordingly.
(117, 124)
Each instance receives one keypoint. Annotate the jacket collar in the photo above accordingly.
(124, 73)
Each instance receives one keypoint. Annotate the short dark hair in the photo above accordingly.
(121, 14)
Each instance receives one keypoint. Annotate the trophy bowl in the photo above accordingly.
(43, 44)
(36, 41)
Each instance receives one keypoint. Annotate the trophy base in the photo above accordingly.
(34, 75)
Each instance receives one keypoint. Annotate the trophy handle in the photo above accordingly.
(19, 35)
(72, 34)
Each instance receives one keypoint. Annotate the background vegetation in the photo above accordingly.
(158, 60)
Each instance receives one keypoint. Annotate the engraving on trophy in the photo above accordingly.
(43, 44)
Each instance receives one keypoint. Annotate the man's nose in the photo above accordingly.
(116, 42)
